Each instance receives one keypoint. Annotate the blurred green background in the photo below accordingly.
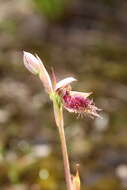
(86, 39)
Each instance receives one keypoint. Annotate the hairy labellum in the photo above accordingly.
(76, 102)
(79, 104)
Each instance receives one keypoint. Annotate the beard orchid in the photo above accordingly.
(62, 95)
(72, 101)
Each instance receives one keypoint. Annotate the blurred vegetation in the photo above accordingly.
(87, 40)
(52, 9)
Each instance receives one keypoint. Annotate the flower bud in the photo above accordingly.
(35, 65)
(76, 180)
(31, 63)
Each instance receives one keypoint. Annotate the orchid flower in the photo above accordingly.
(72, 101)
(62, 95)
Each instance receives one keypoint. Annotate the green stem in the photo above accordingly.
(58, 113)
(65, 155)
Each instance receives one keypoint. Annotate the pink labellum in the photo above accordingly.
(76, 102)
(79, 104)
(65, 82)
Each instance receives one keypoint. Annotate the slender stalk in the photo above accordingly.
(58, 113)
(65, 153)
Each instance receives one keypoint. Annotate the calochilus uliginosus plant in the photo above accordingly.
(62, 96)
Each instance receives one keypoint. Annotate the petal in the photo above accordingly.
(64, 82)
(83, 94)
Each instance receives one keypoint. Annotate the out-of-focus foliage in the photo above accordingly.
(53, 9)
(87, 40)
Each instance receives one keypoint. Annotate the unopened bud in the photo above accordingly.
(31, 63)
(76, 179)
(35, 66)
